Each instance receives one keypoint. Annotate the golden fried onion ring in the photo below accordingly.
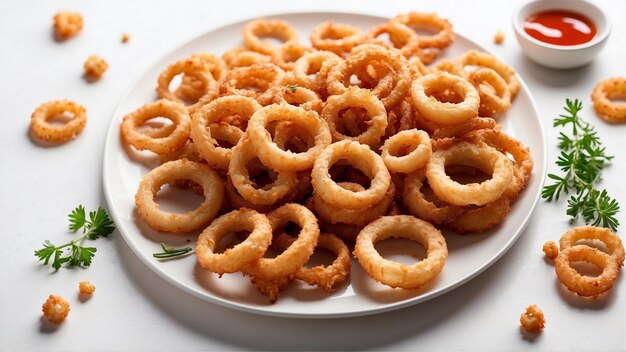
(270, 153)
(418, 146)
(495, 97)
(338, 79)
(214, 112)
(48, 132)
(603, 93)
(297, 254)
(442, 39)
(361, 98)
(359, 156)
(336, 37)
(242, 154)
(612, 242)
(586, 286)
(207, 86)
(481, 59)
(356, 217)
(396, 274)
(253, 81)
(254, 31)
(184, 169)
(444, 113)
(234, 259)
(485, 158)
(171, 110)
(326, 277)
(418, 205)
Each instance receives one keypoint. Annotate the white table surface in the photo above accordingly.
(134, 309)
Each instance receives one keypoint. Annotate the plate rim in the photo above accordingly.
(244, 307)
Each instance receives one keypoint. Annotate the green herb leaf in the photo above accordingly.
(292, 87)
(73, 253)
(582, 160)
(171, 252)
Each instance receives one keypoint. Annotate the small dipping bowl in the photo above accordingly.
(561, 56)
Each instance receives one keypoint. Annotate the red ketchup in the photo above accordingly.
(560, 27)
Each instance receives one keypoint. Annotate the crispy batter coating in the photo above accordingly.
(55, 309)
(95, 67)
(67, 24)
(125, 38)
(551, 249)
(532, 319)
(86, 288)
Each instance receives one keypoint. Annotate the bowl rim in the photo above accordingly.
(593, 42)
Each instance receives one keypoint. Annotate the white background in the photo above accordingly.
(134, 309)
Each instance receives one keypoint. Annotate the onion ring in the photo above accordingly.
(207, 86)
(418, 152)
(234, 259)
(480, 59)
(242, 154)
(335, 37)
(396, 274)
(362, 98)
(283, 160)
(253, 81)
(311, 64)
(287, 55)
(355, 217)
(213, 112)
(253, 31)
(161, 108)
(612, 88)
(441, 40)
(190, 87)
(507, 144)
(610, 240)
(339, 77)
(298, 96)
(486, 158)
(418, 205)
(325, 277)
(175, 170)
(240, 57)
(45, 131)
(444, 113)
(361, 157)
(495, 97)
(586, 286)
(297, 254)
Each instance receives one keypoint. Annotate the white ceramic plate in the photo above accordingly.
(469, 255)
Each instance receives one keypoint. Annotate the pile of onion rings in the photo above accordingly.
(346, 142)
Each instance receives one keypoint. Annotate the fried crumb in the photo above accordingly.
(86, 288)
(67, 24)
(551, 250)
(499, 38)
(532, 319)
(95, 67)
(125, 38)
(55, 309)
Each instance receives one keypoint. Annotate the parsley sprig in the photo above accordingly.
(171, 252)
(582, 159)
(73, 253)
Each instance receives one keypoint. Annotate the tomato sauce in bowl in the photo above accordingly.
(560, 27)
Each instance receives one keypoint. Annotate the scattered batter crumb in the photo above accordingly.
(551, 250)
(55, 309)
(125, 38)
(95, 67)
(86, 288)
(499, 38)
(532, 319)
(67, 24)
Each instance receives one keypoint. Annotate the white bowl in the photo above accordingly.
(559, 56)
